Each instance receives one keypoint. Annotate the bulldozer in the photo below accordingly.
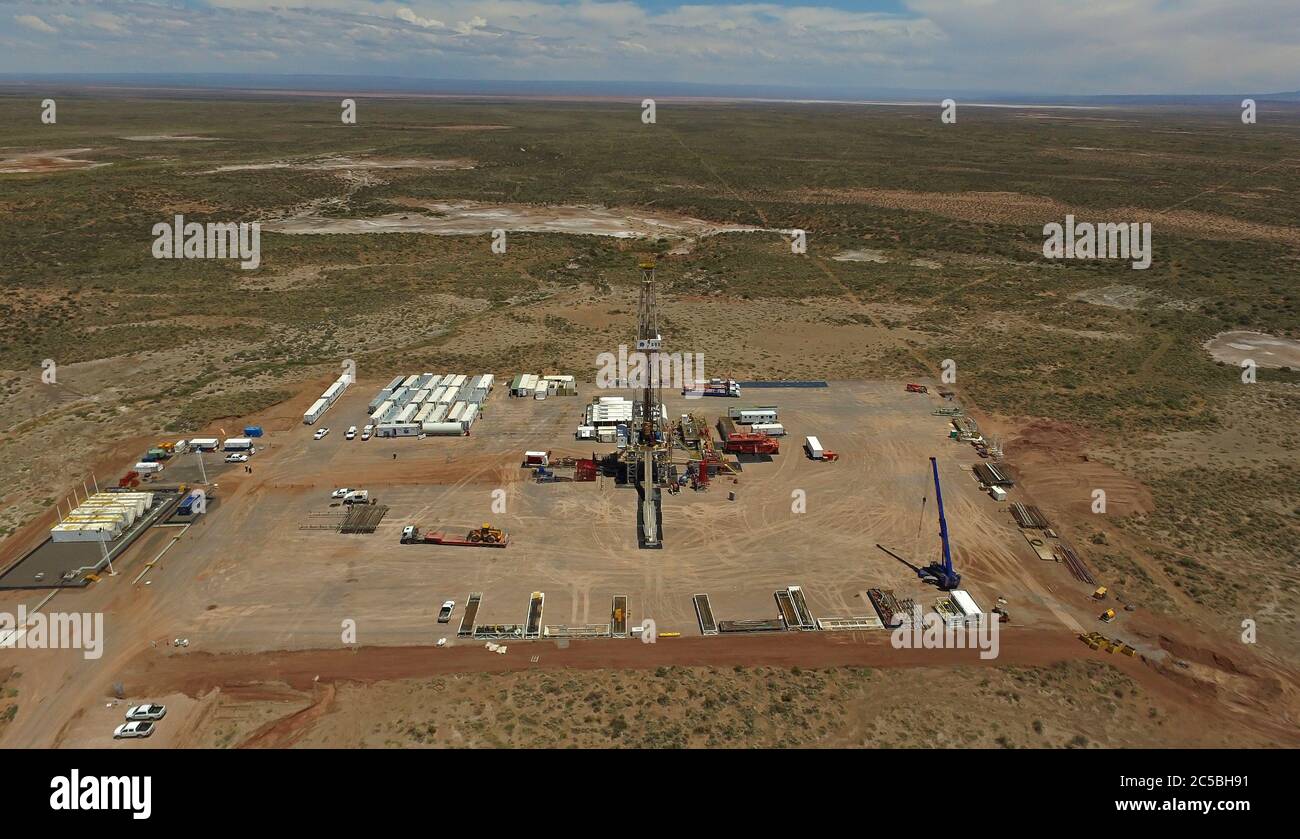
(1100, 593)
(487, 533)
(1107, 616)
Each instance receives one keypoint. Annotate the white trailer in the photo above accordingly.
(316, 411)
(998, 493)
(468, 416)
(965, 604)
(771, 429)
(237, 444)
(814, 447)
(205, 444)
(145, 467)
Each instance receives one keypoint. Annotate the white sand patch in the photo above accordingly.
(1265, 350)
(472, 218)
(347, 164)
(58, 160)
(861, 255)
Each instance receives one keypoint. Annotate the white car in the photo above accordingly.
(129, 730)
(365, 432)
(444, 614)
(352, 433)
(320, 432)
(146, 712)
(340, 492)
(236, 457)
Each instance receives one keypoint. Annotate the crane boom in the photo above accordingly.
(943, 575)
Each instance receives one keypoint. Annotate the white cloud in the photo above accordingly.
(411, 17)
(1058, 46)
(35, 23)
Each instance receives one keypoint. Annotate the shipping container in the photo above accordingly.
(998, 493)
(252, 431)
(814, 447)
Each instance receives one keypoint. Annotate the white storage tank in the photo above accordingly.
(444, 429)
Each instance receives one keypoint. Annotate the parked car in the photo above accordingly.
(236, 457)
(341, 492)
(357, 496)
(129, 730)
(147, 712)
(367, 431)
(444, 614)
(352, 433)
(320, 432)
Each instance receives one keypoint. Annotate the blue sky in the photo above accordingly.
(1028, 46)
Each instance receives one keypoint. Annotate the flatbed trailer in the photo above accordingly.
(806, 621)
(441, 537)
(704, 612)
(786, 607)
(618, 616)
(755, 625)
(471, 614)
(585, 630)
(533, 622)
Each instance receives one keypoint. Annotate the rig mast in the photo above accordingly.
(650, 454)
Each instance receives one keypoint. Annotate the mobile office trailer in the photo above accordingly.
(410, 380)
(205, 444)
(814, 448)
(334, 391)
(147, 467)
(316, 411)
(397, 429)
(407, 414)
(771, 429)
(237, 444)
(998, 493)
(439, 413)
(749, 416)
(395, 383)
(540, 390)
(468, 416)
(456, 410)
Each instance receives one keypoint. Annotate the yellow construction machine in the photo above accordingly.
(487, 533)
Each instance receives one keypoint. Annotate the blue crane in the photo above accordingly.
(943, 575)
